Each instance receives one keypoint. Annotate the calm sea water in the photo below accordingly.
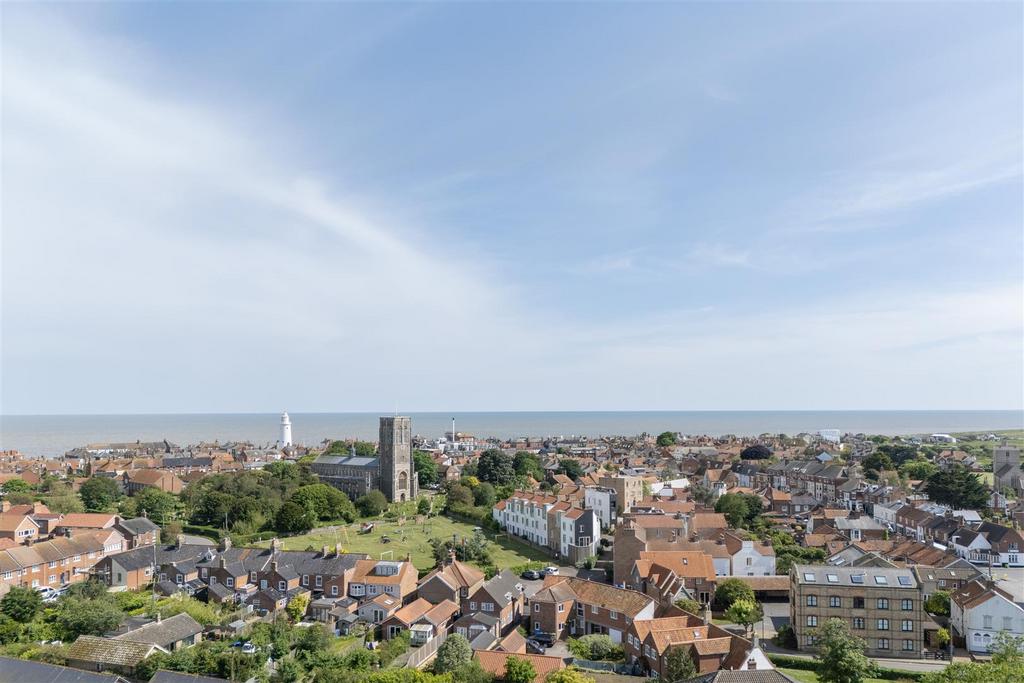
(52, 435)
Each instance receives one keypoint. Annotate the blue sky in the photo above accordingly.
(326, 207)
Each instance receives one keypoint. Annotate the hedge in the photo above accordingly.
(803, 664)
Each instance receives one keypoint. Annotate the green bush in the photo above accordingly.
(788, 662)
(596, 647)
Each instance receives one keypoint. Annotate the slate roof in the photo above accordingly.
(109, 651)
(165, 632)
(139, 525)
(38, 672)
(870, 577)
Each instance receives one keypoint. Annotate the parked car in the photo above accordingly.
(249, 649)
(545, 639)
(535, 647)
(551, 571)
(48, 594)
(531, 575)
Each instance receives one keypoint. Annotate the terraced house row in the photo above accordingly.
(564, 527)
(72, 556)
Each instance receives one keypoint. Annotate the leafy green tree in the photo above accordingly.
(21, 604)
(483, 495)
(938, 603)
(700, 494)
(942, 638)
(666, 439)
(841, 654)
(745, 612)
(454, 653)
(734, 507)
(898, 453)
(324, 502)
(679, 665)
(519, 670)
(729, 591)
(423, 506)
(875, 463)
(292, 518)
(372, 504)
(495, 466)
(756, 452)
(918, 469)
(99, 493)
(156, 504)
(288, 671)
(957, 487)
(426, 468)
(571, 468)
(296, 608)
(528, 464)
(16, 486)
(459, 494)
(86, 617)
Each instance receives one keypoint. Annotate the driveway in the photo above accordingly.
(532, 586)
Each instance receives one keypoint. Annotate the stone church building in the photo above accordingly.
(391, 471)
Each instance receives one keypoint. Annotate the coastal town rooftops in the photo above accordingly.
(863, 577)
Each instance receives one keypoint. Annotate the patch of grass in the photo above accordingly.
(812, 677)
(409, 539)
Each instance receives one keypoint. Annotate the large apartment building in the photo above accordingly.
(881, 605)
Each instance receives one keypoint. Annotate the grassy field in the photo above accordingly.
(409, 538)
(811, 677)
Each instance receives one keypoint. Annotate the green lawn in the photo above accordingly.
(811, 677)
(409, 538)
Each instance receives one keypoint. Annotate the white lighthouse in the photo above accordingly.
(286, 430)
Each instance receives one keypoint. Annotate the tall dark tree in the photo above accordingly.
(756, 452)
(495, 466)
(571, 468)
(293, 518)
(957, 487)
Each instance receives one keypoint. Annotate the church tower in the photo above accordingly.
(397, 476)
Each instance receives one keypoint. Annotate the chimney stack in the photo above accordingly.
(337, 549)
(225, 543)
(325, 551)
(179, 540)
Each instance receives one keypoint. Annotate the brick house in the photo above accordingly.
(568, 606)
(502, 597)
(454, 581)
